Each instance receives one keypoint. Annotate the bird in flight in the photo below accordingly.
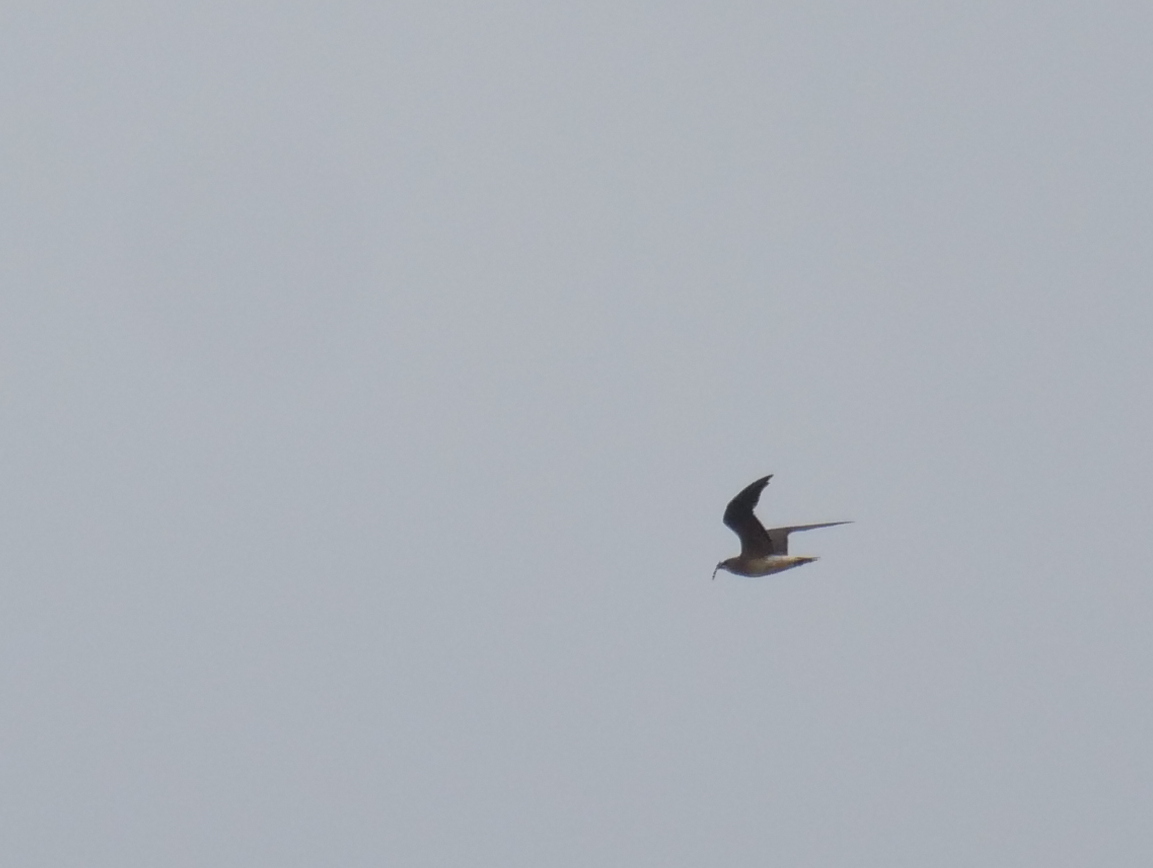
(763, 552)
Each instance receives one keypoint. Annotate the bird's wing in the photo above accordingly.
(779, 536)
(755, 542)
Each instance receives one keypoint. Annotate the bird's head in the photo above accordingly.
(723, 565)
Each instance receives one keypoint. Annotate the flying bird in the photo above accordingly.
(763, 552)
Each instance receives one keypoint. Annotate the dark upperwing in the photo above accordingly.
(779, 536)
(755, 540)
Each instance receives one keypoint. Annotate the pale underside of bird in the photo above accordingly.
(764, 551)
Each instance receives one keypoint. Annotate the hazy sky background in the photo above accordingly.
(374, 376)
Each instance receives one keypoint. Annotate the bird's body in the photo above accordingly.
(765, 566)
(763, 552)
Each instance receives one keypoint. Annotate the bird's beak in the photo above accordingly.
(717, 567)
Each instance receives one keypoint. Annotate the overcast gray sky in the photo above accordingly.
(375, 375)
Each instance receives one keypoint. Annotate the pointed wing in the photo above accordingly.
(755, 542)
(779, 536)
